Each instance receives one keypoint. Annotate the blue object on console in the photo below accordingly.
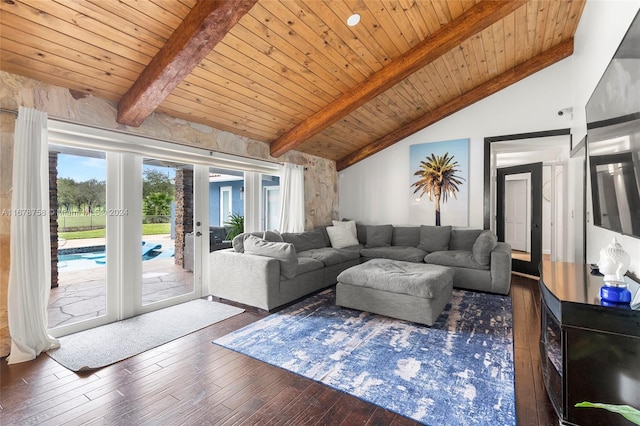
(615, 295)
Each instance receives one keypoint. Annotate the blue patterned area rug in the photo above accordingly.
(457, 372)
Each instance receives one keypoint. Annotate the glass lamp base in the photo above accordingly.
(612, 295)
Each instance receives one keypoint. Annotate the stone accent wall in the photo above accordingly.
(184, 211)
(7, 125)
(53, 215)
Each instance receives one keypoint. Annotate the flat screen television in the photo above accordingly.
(613, 139)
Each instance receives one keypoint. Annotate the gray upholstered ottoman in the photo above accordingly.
(410, 291)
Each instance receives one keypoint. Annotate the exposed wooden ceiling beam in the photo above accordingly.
(205, 25)
(517, 73)
(451, 35)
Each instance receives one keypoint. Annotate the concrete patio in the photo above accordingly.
(81, 294)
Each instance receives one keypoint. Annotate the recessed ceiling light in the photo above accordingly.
(353, 20)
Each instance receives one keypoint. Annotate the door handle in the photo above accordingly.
(198, 234)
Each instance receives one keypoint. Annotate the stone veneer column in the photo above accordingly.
(7, 125)
(53, 216)
(184, 211)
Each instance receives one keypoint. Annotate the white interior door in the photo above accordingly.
(516, 213)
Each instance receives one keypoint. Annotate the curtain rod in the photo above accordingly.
(14, 112)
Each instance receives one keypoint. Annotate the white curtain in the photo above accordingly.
(292, 198)
(30, 267)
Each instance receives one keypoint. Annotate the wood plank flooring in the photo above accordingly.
(192, 382)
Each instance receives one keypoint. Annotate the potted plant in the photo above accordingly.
(235, 225)
(629, 413)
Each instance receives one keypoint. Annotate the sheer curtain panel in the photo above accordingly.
(30, 266)
(292, 198)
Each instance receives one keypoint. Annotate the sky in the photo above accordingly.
(80, 168)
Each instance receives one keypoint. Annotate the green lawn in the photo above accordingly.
(147, 229)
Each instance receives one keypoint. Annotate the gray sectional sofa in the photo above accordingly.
(267, 270)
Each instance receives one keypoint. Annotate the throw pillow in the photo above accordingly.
(379, 235)
(238, 241)
(484, 245)
(284, 252)
(351, 224)
(341, 237)
(361, 231)
(434, 238)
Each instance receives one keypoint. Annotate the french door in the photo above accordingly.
(158, 200)
(144, 248)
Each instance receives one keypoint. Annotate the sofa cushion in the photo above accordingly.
(379, 235)
(484, 245)
(434, 238)
(284, 252)
(457, 258)
(238, 241)
(330, 256)
(308, 264)
(362, 233)
(404, 253)
(405, 236)
(323, 230)
(342, 236)
(305, 240)
(463, 238)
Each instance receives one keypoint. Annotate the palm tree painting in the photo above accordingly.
(438, 172)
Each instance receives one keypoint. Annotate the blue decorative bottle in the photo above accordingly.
(614, 262)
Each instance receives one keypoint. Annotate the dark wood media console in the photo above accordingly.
(588, 352)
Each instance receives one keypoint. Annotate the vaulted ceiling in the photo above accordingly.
(290, 73)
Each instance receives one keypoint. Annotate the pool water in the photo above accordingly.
(79, 261)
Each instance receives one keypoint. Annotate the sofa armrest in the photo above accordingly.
(501, 268)
(245, 278)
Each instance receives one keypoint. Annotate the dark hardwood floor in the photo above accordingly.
(191, 381)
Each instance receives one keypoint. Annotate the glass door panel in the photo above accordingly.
(226, 204)
(78, 180)
(270, 202)
(226, 209)
(168, 251)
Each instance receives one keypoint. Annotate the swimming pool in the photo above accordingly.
(78, 261)
(97, 259)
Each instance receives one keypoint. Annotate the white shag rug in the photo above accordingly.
(108, 344)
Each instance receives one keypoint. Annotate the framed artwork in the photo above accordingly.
(438, 187)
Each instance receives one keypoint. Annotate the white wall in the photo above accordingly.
(376, 190)
(601, 29)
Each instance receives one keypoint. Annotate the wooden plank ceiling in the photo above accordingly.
(290, 73)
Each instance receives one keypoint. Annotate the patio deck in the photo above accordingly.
(81, 294)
